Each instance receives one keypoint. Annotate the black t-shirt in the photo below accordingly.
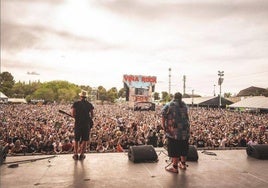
(82, 112)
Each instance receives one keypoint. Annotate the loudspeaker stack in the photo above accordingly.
(192, 154)
(144, 153)
(259, 151)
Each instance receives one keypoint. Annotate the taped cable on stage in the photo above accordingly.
(14, 164)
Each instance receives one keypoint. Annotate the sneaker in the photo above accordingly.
(82, 157)
(182, 166)
(75, 157)
(172, 169)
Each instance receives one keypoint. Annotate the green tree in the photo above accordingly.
(60, 91)
(44, 93)
(227, 95)
(165, 96)
(22, 90)
(112, 94)
(65, 95)
(18, 90)
(58, 85)
(122, 93)
(31, 88)
(156, 96)
(6, 82)
(101, 93)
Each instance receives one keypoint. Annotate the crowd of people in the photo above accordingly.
(41, 129)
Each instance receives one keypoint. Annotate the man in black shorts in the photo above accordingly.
(82, 111)
(175, 121)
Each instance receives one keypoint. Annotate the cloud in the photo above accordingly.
(99, 41)
(16, 37)
(33, 73)
(202, 10)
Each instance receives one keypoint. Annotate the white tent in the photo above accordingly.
(257, 102)
(207, 101)
(3, 98)
(17, 100)
(196, 100)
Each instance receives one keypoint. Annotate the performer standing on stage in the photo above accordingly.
(82, 111)
(175, 121)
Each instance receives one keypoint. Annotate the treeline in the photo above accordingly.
(60, 91)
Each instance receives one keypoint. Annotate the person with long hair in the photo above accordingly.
(175, 121)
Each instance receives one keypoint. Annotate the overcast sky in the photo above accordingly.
(96, 42)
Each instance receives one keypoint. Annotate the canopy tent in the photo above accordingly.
(3, 98)
(207, 101)
(17, 100)
(257, 102)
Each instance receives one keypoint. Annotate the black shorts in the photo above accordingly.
(177, 148)
(81, 133)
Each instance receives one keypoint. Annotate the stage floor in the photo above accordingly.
(228, 168)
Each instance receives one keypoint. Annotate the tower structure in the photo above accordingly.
(169, 81)
(184, 84)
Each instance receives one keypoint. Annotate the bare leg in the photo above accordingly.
(83, 147)
(175, 161)
(174, 167)
(76, 147)
(79, 147)
(75, 156)
(182, 164)
(183, 158)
